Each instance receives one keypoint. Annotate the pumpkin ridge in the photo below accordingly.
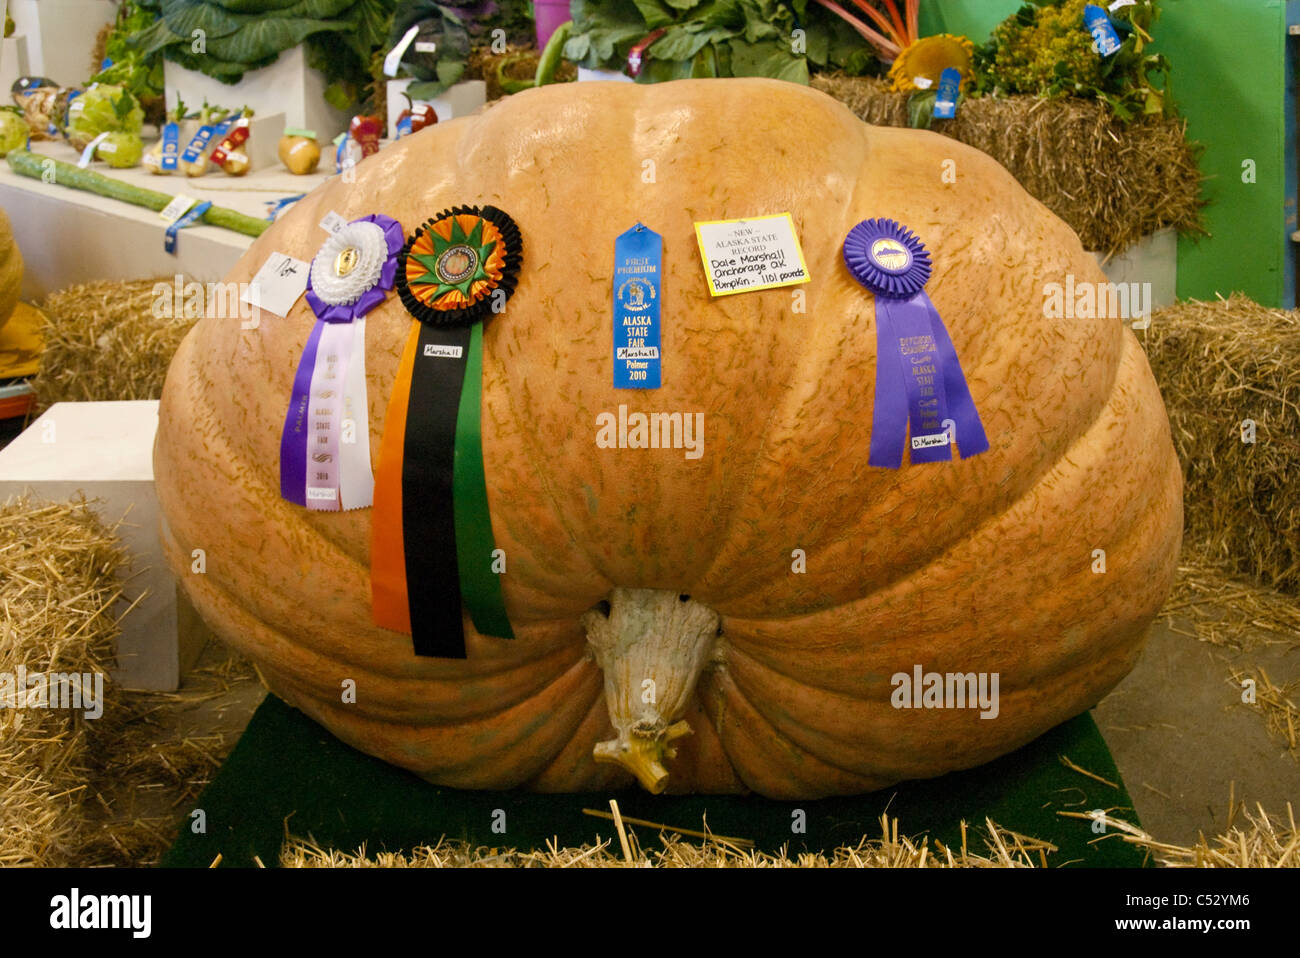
(532, 450)
(307, 661)
(723, 694)
(471, 770)
(968, 534)
(1137, 534)
(980, 518)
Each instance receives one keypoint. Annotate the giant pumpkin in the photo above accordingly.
(734, 621)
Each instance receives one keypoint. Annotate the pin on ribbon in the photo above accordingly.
(919, 380)
(325, 444)
(432, 548)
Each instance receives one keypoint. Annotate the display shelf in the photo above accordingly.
(71, 236)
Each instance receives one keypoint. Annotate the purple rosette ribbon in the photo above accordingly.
(350, 275)
(919, 380)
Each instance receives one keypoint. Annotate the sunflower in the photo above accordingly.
(927, 58)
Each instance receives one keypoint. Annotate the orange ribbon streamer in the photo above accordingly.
(390, 604)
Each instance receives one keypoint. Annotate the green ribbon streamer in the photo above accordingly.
(480, 587)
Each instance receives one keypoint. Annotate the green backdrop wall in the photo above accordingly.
(1230, 81)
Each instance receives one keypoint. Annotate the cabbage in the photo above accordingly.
(13, 131)
(101, 109)
(120, 150)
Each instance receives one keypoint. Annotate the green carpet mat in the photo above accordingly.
(287, 767)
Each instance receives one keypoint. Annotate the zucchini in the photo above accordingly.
(26, 163)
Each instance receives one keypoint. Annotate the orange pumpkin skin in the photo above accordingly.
(979, 565)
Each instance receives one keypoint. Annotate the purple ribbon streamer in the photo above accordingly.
(911, 335)
(969, 430)
(293, 440)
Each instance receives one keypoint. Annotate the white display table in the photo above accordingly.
(70, 236)
(104, 450)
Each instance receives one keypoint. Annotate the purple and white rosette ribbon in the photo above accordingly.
(325, 445)
(919, 380)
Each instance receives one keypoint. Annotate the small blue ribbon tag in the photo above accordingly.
(945, 100)
(403, 127)
(169, 240)
(1104, 37)
(171, 146)
(275, 207)
(638, 254)
(205, 135)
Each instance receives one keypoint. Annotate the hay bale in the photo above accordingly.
(1112, 182)
(1219, 364)
(1002, 849)
(58, 587)
(103, 342)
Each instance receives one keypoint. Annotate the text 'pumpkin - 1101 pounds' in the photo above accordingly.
(750, 615)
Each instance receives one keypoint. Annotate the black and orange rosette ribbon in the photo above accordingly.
(431, 543)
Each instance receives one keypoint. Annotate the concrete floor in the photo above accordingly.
(1182, 738)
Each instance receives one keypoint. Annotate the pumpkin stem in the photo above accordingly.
(652, 645)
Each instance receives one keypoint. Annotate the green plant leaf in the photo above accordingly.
(268, 37)
(654, 13)
(770, 58)
(679, 44)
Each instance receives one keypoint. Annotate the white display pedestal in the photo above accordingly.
(287, 86)
(60, 35)
(13, 63)
(461, 99)
(105, 450)
(1153, 259)
(614, 76)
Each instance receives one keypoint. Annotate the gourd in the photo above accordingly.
(11, 269)
(763, 596)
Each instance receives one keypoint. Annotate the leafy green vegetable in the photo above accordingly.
(139, 73)
(714, 38)
(13, 131)
(1044, 49)
(238, 36)
(454, 29)
(120, 150)
(101, 109)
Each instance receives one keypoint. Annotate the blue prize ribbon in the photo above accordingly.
(945, 101)
(1104, 36)
(919, 379)
(169, 240)
(170, 139)
(638, 255)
